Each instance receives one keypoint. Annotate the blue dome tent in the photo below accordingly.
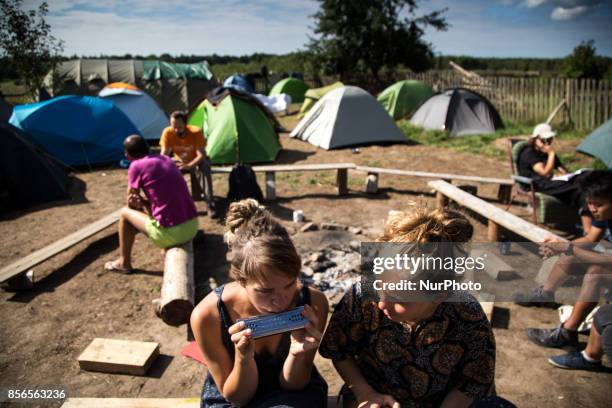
(78, 130)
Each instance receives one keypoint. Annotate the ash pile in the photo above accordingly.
(333, 269)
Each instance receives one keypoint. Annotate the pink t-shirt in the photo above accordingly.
(165, 188)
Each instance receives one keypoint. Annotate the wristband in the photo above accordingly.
(570, 250)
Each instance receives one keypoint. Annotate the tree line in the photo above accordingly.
(365, 43)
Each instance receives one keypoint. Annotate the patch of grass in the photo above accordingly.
(373, 163)
(479, 144)
(482, 144)
(292, 179)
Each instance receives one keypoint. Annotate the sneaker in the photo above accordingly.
(575, 361)
(556, 338)
(537, 297)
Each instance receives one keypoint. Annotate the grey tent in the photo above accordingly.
(347, 116)
(173, 86)
(460, 112)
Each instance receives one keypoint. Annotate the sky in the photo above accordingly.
(486, 28)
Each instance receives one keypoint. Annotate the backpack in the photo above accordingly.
(243, 184)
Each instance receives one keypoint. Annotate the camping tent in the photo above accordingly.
(238, 128)
(347, 116)
(314, 94)
(5, 110)
(458, 111)
(173, 86)
(599, 143)
(404, 97)
(27, 176)
(239, 82)
(78, 130)
(139, 107)
(295, 88)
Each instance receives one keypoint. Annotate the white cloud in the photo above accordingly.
(201, 27)
(563, 14)
(565, 9)
(534, 3)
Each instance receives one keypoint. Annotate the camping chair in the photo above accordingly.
(521, 185)
(546, 209)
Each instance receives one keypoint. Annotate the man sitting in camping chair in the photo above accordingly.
(188, 144)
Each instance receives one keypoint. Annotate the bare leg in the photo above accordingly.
(130, 223)
(593, 348)
(559, 273)
(587, 298)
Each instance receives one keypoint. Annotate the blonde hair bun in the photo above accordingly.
(422, 225)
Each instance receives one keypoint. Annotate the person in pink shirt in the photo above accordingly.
(166, 213)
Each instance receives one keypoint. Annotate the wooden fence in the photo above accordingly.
(531, 100)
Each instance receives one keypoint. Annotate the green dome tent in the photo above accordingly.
(314, 94)
(599, 144)
(237, 128)
(404, 97)
(295, 88)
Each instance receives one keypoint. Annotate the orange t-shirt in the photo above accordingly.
(184, 148)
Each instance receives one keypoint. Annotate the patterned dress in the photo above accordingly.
(453, 348)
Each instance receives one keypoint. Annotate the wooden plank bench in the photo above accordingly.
(132, 402)
(503, 194)
(496, 216)
(271, 170)
(12, 271)
(148, 402)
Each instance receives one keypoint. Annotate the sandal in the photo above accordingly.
(111, 266)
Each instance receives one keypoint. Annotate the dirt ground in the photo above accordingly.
(43, 331)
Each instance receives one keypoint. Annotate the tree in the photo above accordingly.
(357, 39)
(25, 38)
(584, 63)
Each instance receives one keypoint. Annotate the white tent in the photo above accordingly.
(347, 116)
(140, 108)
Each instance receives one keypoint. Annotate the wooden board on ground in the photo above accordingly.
(132, 402)
(487, 302)
(119, 356)
(488, 308)
(35, 258)
(494, 266)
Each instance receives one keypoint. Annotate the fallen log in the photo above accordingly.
(178, 288)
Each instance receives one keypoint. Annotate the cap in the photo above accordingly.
(543, 131)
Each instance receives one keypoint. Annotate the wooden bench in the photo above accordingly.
(16, 269)
(132, 402)
(496, 216)
(503, 194)
(147, 402)
(270, 171)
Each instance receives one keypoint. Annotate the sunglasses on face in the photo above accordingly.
(547, 141)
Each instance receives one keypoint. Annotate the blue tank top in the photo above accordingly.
(268, 366)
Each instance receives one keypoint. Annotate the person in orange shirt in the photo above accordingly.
(187, 144)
